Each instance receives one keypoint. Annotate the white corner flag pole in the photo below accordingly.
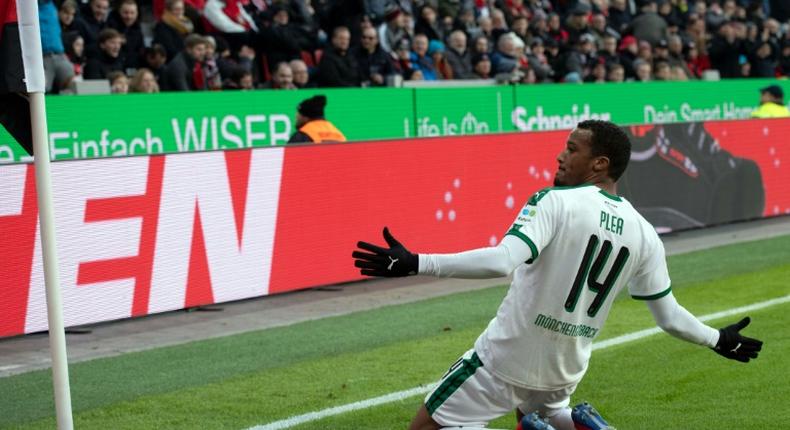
(30, 38)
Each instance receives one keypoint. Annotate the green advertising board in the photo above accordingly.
(132, 124)
(118, 125)
(636, 103)
(457, 111)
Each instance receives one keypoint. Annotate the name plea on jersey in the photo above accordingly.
(611, 223)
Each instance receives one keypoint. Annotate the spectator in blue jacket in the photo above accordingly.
(420, 59)
(58, 70)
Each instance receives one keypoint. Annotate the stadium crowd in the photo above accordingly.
(187, 45)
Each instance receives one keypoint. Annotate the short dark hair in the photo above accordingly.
(610, 141)
(108, 34)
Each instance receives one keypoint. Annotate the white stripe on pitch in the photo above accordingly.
(401, 395)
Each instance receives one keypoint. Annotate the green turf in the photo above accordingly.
(261, 376)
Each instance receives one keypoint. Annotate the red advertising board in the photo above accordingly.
(142, 235)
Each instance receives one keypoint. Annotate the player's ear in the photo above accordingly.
(601, 164)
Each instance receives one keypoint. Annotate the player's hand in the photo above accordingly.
(735, 346)
(389, 262)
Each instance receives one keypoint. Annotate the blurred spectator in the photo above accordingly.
(119, 83)
(726, 51)
(66, 14)
(239, 79)
(143, 81)
(597, 73)
(649, 25)
(393, 30)
(556, 31)
(538, 61)
(185, 71)
(482, 45)
(75, 52)
(498, 24)
(629, 51)
(520, 27)
(91, 21)
(695, 63)
(126, 21)
(764, 60)
(608, 49)
(282, 78)
(482, 66)
(311, 124)
(458, 56)
(662, 71)
(301, 74)
(337, 68)
(173, 27)
(374, 64)
(645, 51)
(780, 9)
(505, 58)
(643, 70)
(436, 51)
(154, 59)
(619, 15)
(678, 73)
(615, 73)
(421, 60)
(579, 61)
(284, 40)
(576, 22)
(600, 30)
(109, 58)
(58, 70)
(661, 51)
(427, 23)
(675, 56)
(784, 59)
(772, 103)
(211, 69)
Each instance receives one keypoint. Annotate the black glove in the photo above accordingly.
(736, 347)
(392, 262)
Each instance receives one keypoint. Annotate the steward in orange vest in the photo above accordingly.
(312, 125)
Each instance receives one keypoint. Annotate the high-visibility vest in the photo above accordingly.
(321, 130)
(771, 110)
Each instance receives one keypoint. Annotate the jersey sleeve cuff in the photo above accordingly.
(527, 240)
(653, 296)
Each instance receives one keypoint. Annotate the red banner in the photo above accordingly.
(141, 235)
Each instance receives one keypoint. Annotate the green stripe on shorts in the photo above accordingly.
(450, 384)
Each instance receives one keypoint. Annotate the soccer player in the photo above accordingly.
(573, 248)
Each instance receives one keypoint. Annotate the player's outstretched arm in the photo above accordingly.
(387, 262)
(727, 342)
(482, 263)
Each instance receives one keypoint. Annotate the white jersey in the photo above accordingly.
(586, 245)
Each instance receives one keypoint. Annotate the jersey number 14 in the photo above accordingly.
(590, 271)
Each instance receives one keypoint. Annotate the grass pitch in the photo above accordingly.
(255, 378)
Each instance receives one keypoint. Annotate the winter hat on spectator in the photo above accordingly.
(312, 107)
(774, 90)
(580, 9)
(662, 44)
(391, 12)
(435, 46)
(480, 57)
(626, 42)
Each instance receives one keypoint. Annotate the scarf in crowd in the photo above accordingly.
(198, 77)
(183, 25)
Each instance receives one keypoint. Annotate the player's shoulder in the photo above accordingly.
(559, 193)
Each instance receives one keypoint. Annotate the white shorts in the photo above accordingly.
(470, 395)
